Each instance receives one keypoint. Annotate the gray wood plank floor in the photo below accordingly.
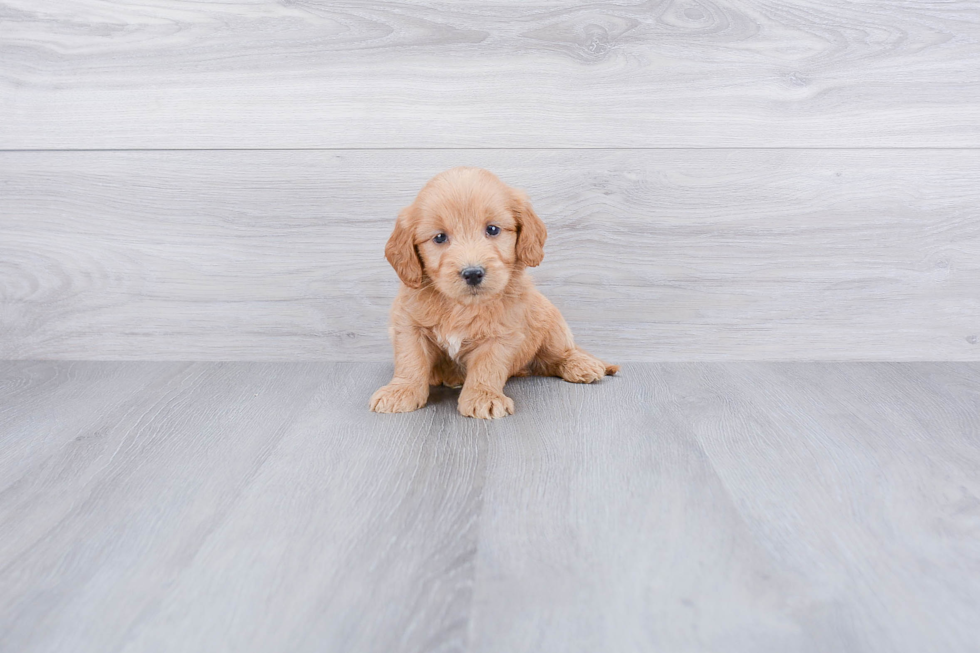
(695, 507)
(653, 255)
(313, 73)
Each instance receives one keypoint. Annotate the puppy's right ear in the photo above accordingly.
(400, 250)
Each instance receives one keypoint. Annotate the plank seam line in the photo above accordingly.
(475, 149)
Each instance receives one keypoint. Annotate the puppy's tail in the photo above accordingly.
(611, 369)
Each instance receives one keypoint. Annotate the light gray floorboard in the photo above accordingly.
(696, 507)
(262, 507)
(755, 507)
(652, 255)
(312, 73)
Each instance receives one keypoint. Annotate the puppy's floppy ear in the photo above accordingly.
(531, 232)
(400, 250)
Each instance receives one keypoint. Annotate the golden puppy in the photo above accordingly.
(466, 313)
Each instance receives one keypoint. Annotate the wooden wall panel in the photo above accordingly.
(652, 255)
(313, 73)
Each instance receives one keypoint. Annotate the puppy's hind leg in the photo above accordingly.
(447, 372)
(579, 366)
(559, 356)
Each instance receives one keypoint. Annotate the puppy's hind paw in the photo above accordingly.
(581, 367)
(484, 404)
(450, 377)
(399, 398)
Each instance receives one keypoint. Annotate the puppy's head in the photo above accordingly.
(467, 233)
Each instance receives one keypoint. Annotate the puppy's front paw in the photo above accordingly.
(399, 398)
(484, 404)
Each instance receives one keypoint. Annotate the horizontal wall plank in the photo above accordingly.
(652, 255)
(312, 73)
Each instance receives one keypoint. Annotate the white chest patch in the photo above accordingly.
(451, 343)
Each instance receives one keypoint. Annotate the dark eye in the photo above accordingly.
(493, 230)
(440, 238)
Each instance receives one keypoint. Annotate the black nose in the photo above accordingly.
(473, 276)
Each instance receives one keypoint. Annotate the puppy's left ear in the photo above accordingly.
(531, 232)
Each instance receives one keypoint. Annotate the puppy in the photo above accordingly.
(466, 313)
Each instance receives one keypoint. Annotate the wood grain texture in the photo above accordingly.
(312, 73)
(697, 507)
(262, 507)
(652, 255)
(737, 507)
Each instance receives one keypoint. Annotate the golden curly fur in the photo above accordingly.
(479, 331)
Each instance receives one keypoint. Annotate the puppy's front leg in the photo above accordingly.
(483, 395)
(409, 387)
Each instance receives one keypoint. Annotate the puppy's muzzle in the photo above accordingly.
(473, 275)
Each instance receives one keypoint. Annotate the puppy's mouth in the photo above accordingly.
(477, 293)
(471, 293)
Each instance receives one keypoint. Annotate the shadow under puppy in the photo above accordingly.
(466, 313)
